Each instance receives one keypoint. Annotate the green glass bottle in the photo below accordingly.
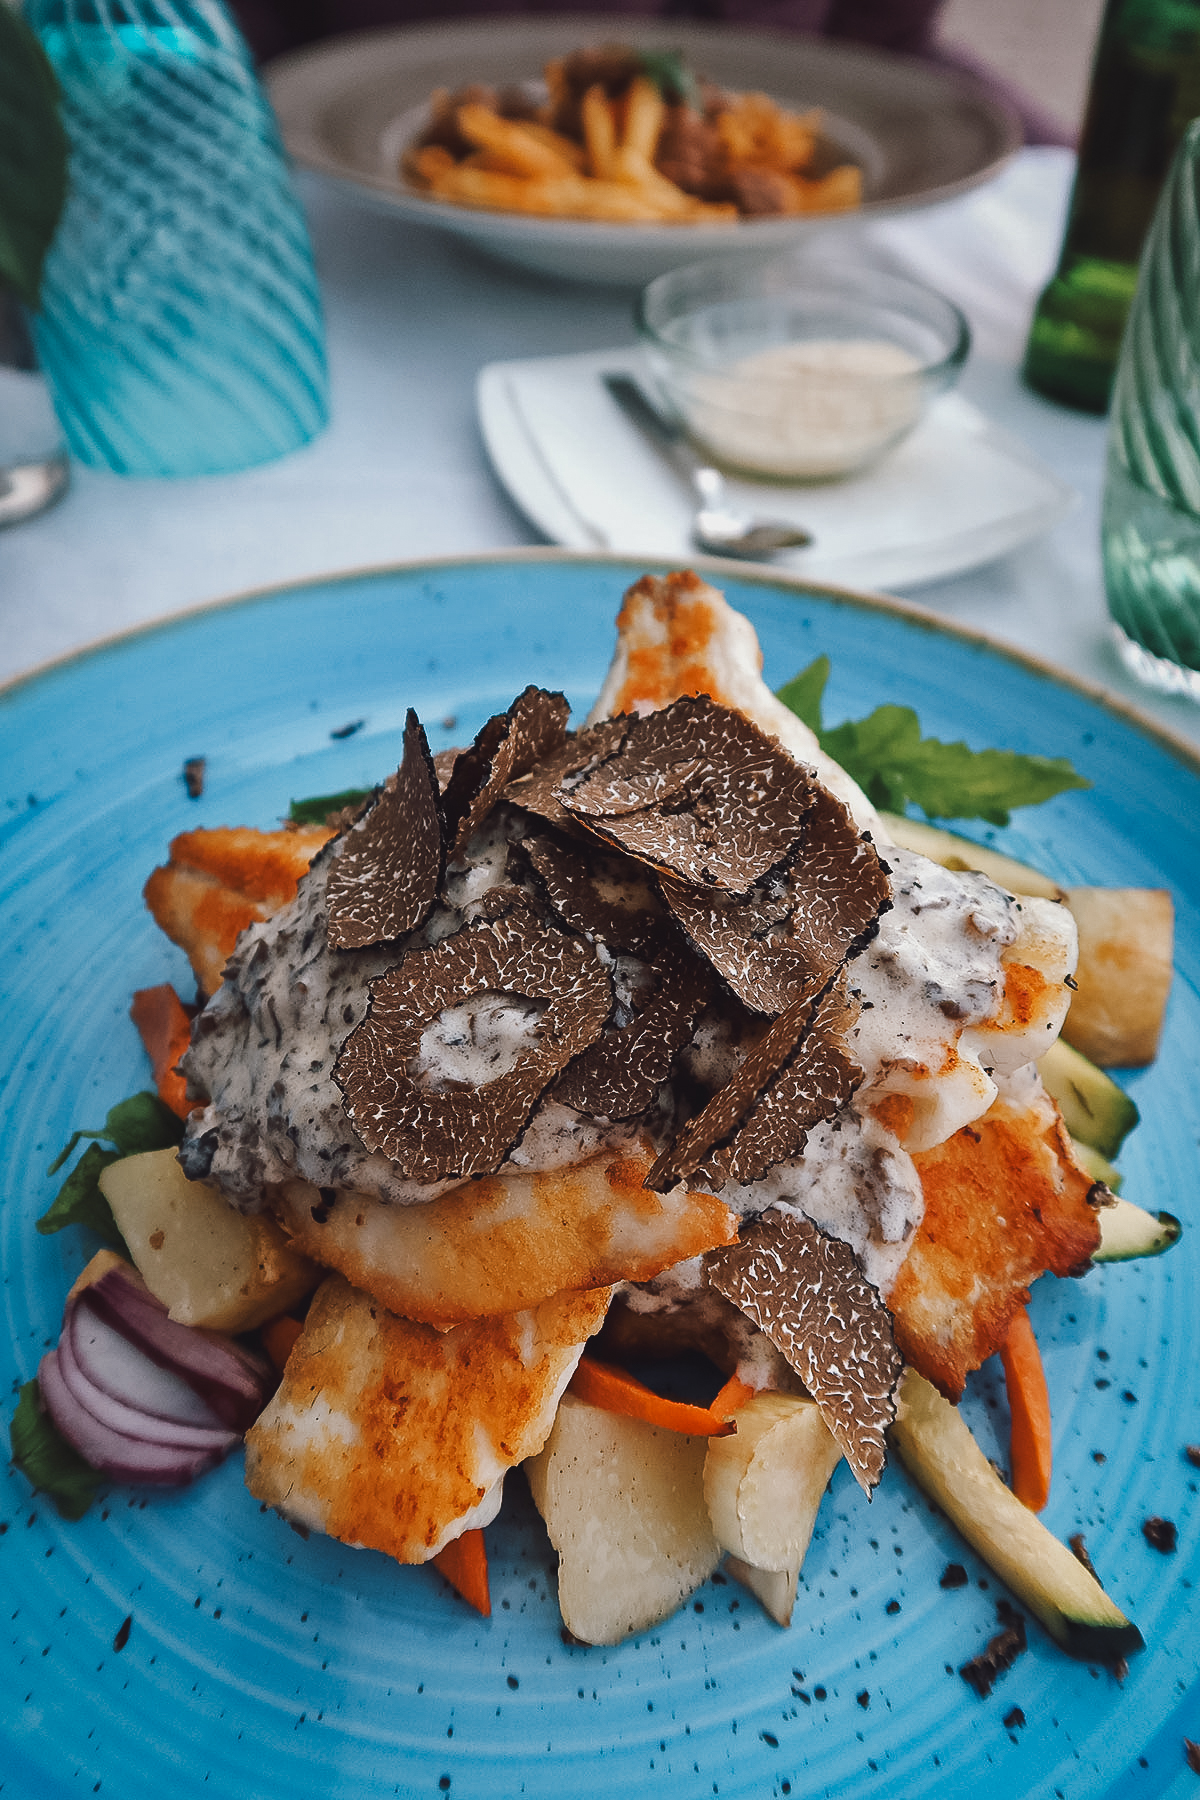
(1145, 89)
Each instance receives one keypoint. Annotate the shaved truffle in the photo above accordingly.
(618, 1076)
(607, 896)
(799, 921)
(540, 790)
(796, 1073)
(509, 745)
(508, 992)
(385, 873)
(807, 1293)
(698, 791)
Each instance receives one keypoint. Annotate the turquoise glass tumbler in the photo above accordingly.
(180, 324)
(1151, 519)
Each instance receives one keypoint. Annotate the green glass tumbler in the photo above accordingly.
(1151, 518)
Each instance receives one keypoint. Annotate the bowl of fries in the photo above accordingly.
(798, 370)
(538, 141)
(627, 135)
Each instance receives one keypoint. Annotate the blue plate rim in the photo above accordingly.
(867, 600)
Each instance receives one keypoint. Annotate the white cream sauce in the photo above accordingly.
(812, 410)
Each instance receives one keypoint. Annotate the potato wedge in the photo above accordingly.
(208, 1264)
(624, 1506)
(1126, 950)
(763, 1485)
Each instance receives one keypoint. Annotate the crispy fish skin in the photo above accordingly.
(1005, 1202)
(393, 1436)
(217, 881)
(507, 1241)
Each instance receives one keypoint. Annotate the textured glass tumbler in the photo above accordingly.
(1151, 520)
(180, 326)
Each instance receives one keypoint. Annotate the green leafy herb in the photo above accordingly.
(33, 157)
(895, 766)
(46, 1459)
(80, 1202)
(140, 1123)
(670, 75)
(316, 810)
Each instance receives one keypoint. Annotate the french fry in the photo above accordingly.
(639, 174)
(600, 157)
(428, 163)
(568, 197)
(839, 191)
(634, 169)
(644, 112)
(599, 132)
(574, 155)
(510, 147)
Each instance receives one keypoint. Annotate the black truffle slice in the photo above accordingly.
(796, 1073)
(507, 993)
(384, 877)
(509, 745)
(699, 792)
(619, 1075)
(799, 921)
(539, 791)
(609, 897)
(806, 1291)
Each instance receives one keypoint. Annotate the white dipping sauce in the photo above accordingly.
(812, 409)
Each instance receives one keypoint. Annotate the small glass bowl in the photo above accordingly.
(797, 372)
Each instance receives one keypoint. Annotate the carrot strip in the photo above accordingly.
(1029, 1405)
(464, 1564)
(166, 1030)
(279, 1338)
(732, 1396)
(602, 1384)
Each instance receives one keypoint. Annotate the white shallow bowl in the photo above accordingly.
(347, 108)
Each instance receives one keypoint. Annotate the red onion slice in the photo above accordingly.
(120, 1370)
(129, 1416)
(113, 1452)
(232, 1383)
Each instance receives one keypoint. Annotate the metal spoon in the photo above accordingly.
(717, 527)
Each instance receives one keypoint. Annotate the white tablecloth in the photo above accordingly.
(401, 470)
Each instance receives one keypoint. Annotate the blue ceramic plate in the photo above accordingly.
(260, 1663)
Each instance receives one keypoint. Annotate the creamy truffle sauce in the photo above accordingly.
(934, 966)
(266, 1045)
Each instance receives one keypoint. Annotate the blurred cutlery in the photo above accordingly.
(717, 527)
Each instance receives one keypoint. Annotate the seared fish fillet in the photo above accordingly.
(506, 1241)
(397, 1437)
(1005, 1202)
(219, 881)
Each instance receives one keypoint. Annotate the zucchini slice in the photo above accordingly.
(1127, 1231)
(1097, 1166)
(1094, 1109)
(938, 1450)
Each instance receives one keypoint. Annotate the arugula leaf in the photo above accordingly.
(140, 1123)
(316, 810)
(80, 1202)
(895, 766)
(47, 1461)
(804, 692)
(33, 157)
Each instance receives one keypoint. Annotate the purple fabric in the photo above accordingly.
(907, 26)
